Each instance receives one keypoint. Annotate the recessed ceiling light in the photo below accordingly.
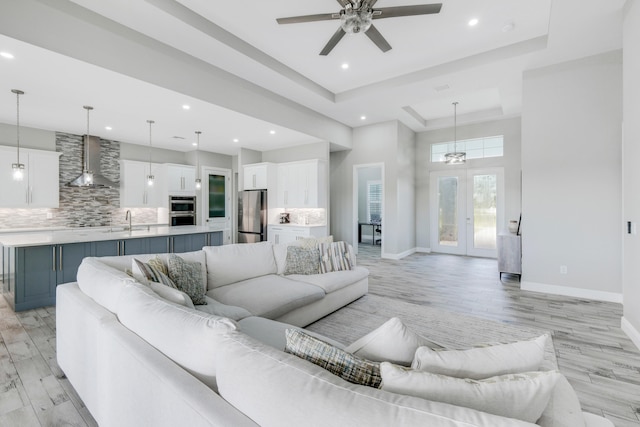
(108, 127)
(6, 55)
(473, 22)
(186, 107)
(345, 66)
(236, 140)
(272, 132)
(195, 144)
(363, 117)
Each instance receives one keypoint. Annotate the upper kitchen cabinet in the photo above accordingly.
(181, 180)
(302, 184)
(259, 176)
(40, 185)
(134, 189)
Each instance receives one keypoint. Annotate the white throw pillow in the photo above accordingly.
(172, 294)
(564, 408)
(391, 342)
(521, 396)
(483, 362)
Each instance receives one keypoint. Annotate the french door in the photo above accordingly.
(467, 210)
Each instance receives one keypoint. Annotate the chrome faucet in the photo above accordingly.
(128, 217)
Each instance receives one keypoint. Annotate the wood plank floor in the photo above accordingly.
(597, 357)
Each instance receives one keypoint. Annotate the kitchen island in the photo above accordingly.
(34, 263)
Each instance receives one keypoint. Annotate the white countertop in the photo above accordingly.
(92, 234)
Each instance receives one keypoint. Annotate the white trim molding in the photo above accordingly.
(631, 332)
(572, 292)
(398, 256)
(423, 250)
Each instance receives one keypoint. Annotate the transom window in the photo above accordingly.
(477, 148)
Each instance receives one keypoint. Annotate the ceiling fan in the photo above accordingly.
(357, 16)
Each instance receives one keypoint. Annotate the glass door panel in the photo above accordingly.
(484, 211)
(448, 211)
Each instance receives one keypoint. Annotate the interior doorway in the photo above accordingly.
(467, 210)
(368, 206)
(217, 204)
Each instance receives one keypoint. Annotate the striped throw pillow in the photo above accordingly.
(336, 256)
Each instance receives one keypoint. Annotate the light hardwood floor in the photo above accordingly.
(597, 357)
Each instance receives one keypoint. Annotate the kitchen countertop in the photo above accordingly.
(92, 234)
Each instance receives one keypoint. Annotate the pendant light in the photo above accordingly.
(87, 175)
(18, 168)
(198, 180)
(455, 158)
(150, 177)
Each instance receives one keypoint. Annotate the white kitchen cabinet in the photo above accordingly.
(134, 189)
(259, 176)
(285, 234)
(40, 187)
(181, 180)
(302, 184)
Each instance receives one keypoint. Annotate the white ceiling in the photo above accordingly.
(434, 60)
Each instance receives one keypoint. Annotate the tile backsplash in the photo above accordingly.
(79, 206)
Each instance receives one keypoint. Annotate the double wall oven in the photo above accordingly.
(182, 210)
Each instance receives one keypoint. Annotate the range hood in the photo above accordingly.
(91, 157)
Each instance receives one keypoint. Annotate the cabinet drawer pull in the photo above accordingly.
(53, 258)
(60, 258)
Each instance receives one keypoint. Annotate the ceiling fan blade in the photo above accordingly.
(337, 36)
(377, 38)
(344, 3)
(421, 9)
(308, 18)
(372, 2)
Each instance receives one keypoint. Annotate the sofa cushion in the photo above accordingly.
(280, 256)
(123, 262)
(260, 381)
(522, 396)
(219, 309)
(188, 337)
(303, 261)
(234, 263)
(102, 283)
(188, 277)
(483, 362)
(335, 360)
(563, 409)
(273, 333)
(391, 342)
(268, 296)
(334, 280)
(176, 296)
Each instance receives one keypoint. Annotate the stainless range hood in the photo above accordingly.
(91, 153)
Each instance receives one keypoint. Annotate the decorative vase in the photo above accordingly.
(513, 226)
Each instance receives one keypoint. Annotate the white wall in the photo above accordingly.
(392, 144)
(29, 137)
(318, 150)
(571, 189)
(509, 128)
(631, 177)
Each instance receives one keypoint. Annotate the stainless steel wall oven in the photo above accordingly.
(182, 210)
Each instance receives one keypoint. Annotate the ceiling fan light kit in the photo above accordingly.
(357, 17)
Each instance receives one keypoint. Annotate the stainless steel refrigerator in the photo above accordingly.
(252, 216)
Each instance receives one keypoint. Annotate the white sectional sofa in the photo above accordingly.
(136, 358)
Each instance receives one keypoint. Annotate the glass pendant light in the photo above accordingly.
(198, 180)
(455, 158)
(18, 168)
(87, 175)
(150, 177)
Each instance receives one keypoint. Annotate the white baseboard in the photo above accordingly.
(398, 256)
(424, 250)
(571, 292)
(631, 332)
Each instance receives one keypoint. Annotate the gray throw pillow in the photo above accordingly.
(302, 260)
(337, 361)
(187, 277)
